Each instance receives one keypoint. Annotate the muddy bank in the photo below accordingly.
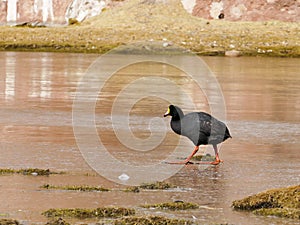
(282, 202)
(145, 21)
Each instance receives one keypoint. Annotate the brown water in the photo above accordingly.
(262, 98)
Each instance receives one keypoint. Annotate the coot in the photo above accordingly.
(201, 128)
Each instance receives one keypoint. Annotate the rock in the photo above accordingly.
(243, 10)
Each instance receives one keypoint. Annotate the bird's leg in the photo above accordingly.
(187, 161)
(217, 160)
(191, 155)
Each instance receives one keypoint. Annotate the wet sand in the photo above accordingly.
(37, 91)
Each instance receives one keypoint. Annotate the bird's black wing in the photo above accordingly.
(196, 127)
(205, 123)
(201, 128)
(219, 132)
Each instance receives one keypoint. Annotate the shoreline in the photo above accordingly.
(65, 39)
(137, 21)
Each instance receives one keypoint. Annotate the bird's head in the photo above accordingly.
(174, 111)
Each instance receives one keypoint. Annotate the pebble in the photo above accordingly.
(165, 44)
(233, 53)
(123, 177)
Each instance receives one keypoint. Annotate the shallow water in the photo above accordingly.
(37, 90)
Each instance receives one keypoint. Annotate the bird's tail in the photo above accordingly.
(227, 134)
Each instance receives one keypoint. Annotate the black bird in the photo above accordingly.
(200, 127)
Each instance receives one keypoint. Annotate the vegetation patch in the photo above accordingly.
(9, 222)
(104, 212)
(133, 189)
(29, 171)
(206, 157)
(57, 221)
(282, 202)
(75, 188)
(157, 185)
(151, 220)
(177, 205)
(7, 171)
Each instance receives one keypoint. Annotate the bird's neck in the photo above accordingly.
(176, 126)
(178, 115)
(176, 121)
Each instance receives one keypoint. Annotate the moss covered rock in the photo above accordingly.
(151, 220)
(9, 222)
(156, 185)
(283, 202)
(104, 212)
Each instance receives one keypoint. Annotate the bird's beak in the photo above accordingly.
(167, 113)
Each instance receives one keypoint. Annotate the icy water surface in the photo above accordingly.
(262, 99)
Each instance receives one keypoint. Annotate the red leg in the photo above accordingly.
(188, 158)
(217, 160)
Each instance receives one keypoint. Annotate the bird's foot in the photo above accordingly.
(216, 162)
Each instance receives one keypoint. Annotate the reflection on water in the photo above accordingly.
(43, 77)
(36, 95)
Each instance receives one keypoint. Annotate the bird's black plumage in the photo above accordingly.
(200, 127)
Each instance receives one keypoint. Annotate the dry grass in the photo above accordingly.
(139, 20)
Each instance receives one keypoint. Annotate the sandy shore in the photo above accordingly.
(142, 21)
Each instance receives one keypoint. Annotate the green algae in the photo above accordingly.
(159, 185)
(35, 171)
(57, 221)
(177, 205)
(9, 222)
(84, 188)
(29, 171)
(279, 212)
(151, 220)
(206, 157)
(7, 171)
(104, 212)
(133, 189)
(282, 202)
